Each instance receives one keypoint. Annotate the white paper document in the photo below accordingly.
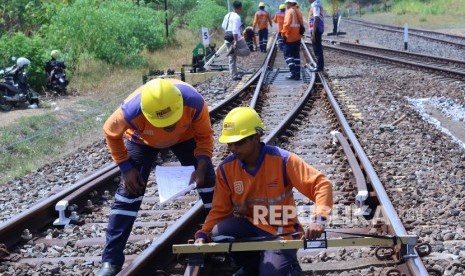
(173, 181)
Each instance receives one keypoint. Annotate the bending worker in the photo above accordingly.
(250, 38)
(254, 182)
(161, 114)
(261, 20)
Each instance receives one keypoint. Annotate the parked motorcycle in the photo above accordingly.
(14, 94)
(57, 81)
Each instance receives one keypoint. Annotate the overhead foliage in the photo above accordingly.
(207, 14)
(26, 15)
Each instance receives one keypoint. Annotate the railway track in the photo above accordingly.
(453, 40)
(309, 114)
(447, 67)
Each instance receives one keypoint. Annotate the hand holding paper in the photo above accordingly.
(173, 181)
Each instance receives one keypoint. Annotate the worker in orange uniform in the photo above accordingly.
(291, 34)
(316, 24)
(254, 182)
(261, 20)
(250, 38)
(161, 114)
(279, 19)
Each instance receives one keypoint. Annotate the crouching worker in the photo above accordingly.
(253, 179)
(161, 114)
(250, 38)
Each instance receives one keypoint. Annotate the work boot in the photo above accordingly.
(108, 269)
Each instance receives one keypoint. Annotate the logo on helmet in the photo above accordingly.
(238, 187)
(162, 113)
(228, 126)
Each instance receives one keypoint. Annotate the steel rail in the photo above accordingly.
(43, 213)
(415, 265)
(392, 29)
(429, 67)
(436, 58)
(263, 74)
(367, 23)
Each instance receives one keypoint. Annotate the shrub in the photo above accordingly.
(207, 14)
(19, 45)
(113, 31)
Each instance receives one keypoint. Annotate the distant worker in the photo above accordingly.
(261, 20)
(15, 76)
(316, 24)
(254, 186)
(236, 47)
(52, 67)
(161, 114)
(291, 34)
(279, 19)
(250, 38)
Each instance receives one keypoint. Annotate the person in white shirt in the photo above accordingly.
(237, 47)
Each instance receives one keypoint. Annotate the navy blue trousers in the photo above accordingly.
(292, 57)
(124, 210)
(263, 39)
(318, 50)
(268, 262)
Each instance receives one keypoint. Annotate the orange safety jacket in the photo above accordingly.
(129, 120)
(261, 19)
(291, 27)
(250, 194)
(279, 19)
(249, 35)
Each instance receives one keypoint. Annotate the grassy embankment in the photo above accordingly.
(30, 142)
(434, 14)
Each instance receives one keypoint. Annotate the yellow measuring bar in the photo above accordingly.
(214, 247)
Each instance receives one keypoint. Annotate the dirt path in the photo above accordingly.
(51, 104)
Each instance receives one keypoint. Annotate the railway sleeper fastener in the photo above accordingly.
(62, 220)
(424, 249)
(384, 253)
(393, 272)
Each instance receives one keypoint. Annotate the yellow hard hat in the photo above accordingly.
(55, 54)
(161, 103)
(240, 122)
(282, 7)
(261, 4)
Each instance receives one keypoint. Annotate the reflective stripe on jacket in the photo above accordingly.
(291, 27)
